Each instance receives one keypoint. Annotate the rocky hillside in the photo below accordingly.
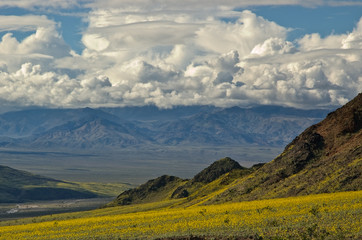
(326, 157)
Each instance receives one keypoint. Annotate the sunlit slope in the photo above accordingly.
(326, 157)
(218, 176)
(324, 216)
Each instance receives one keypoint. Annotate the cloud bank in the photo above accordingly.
(164, 54)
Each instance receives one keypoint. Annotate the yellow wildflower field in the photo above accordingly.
(323, 216)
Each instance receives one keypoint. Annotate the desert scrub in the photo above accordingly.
(324, 216)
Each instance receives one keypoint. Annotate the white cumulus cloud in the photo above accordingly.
(165, 54)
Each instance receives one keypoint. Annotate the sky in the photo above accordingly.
(105, 53)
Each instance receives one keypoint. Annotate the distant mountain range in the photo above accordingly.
(133, 126)
(325, 158)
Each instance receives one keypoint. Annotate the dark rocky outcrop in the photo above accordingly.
(216, 170)
(154, 190)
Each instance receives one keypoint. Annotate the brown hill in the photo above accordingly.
(167, 187)
(326, 157)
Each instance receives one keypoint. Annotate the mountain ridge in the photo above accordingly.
(123, 127)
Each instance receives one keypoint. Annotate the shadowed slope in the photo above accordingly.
(20, 186)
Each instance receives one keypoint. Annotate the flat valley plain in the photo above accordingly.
(133, 165)
(10, 211)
